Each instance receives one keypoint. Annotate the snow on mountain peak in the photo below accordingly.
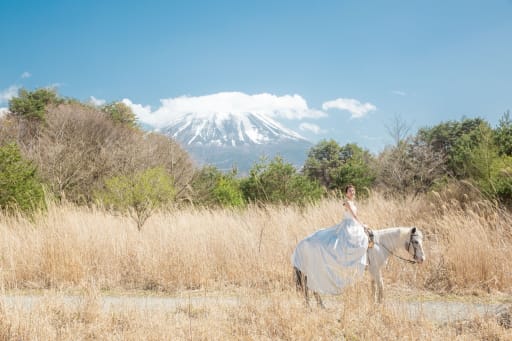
(228, 129)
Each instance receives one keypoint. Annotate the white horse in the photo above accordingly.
(386, 243)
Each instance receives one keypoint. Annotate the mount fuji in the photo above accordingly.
(228, 140)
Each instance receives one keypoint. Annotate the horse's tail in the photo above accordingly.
(299, 279)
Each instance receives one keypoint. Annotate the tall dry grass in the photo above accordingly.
(467, 249)
(246, 255)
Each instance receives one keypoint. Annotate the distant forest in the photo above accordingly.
(59, 149)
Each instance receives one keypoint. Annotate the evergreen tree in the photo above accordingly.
(32, 105)
(334, 166)
(503, 135)
(119, 112)
(323, 163)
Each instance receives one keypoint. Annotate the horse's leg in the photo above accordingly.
(372, 267)
(380, 287)
(374, 274)
(318, 299)
(301, 283)
(305, 288)
(374, 286)
(297, 274)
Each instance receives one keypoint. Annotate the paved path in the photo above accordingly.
(435, 310)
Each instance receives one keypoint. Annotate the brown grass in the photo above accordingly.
(83, 250)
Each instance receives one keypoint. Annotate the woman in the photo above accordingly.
(334, 257)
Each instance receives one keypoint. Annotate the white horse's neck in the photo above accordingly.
(393, 238)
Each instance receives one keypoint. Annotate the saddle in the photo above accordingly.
(370, 235)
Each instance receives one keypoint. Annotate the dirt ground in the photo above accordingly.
(435, 308)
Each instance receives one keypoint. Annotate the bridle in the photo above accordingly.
(414, 245)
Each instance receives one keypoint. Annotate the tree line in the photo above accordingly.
(54, 148)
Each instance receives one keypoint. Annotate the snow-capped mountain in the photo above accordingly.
(238, 140)
(228, 129)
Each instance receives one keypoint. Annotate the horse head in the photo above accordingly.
(415, 245)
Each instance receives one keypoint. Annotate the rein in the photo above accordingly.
(397, 256)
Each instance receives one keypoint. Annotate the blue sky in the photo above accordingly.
(326, 69)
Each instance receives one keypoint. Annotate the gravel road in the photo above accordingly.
(435, 310)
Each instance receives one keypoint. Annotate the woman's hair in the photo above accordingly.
(349, 186)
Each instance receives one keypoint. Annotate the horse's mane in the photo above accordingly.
(390, 230)
(393, 235)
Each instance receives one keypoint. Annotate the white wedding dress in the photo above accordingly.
(334, 257)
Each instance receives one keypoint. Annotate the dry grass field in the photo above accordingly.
(243, 259)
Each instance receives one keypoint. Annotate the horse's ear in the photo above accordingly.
(413, 230)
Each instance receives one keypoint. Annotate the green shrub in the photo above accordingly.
(20, 187)
(277, 181)
(227, 193)
(213, 188)
(139, 194)
(502, 180)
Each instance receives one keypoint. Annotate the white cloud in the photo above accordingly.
(356, 108)
(139, 110)
(26, 74)
(311, 127)
(3, 111)
(97, 102)
(7, 94)
(399, 93)
(54, 86)
(287, 106)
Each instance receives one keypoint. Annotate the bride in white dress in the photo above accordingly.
(334, 257)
